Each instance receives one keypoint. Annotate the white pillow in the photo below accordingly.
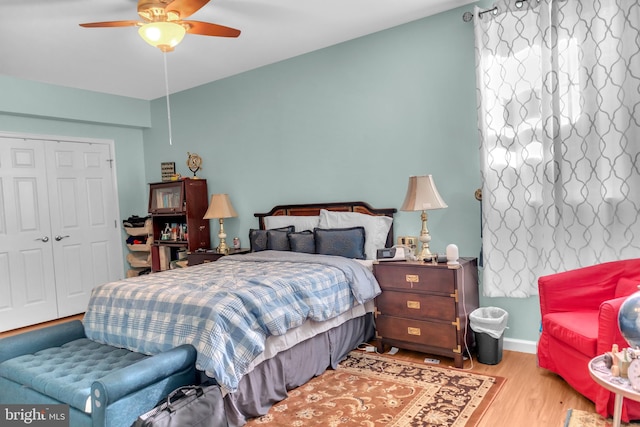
(301, 223)
(376, 228)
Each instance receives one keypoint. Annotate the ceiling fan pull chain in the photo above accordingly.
(166, 87)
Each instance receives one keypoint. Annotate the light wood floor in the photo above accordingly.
(531, 396)
(41, 325)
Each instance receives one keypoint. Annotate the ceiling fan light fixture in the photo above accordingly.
(163, 35)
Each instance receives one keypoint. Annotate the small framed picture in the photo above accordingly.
(168, 169)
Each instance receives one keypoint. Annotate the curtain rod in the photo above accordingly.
(468, 16)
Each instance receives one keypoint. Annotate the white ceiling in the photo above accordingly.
(41, 40)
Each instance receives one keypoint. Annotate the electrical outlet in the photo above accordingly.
(432, 361)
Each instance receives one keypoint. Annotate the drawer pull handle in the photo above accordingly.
(456, 323)
(454, 295)
(412, 278)
(413, 304)
(413, 331)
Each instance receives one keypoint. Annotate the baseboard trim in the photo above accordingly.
(521, 346)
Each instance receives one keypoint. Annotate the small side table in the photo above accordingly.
(618, 385)
(423, 307)
(211, 255)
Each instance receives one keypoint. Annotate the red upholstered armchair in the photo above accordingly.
(580, 321)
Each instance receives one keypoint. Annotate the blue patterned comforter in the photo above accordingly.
(226, 309)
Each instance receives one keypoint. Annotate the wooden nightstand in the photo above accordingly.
(425, 307)
(211, 255)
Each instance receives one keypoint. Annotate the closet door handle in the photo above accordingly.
(44, 239)
(58, 238)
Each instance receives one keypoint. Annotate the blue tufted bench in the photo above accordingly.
(103, 385)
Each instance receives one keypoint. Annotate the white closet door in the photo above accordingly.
(59, 231)
(86, 238)
(27, 282)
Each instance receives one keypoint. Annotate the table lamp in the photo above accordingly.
(422, 195)
(220, 207)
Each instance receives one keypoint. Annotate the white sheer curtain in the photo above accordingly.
(559, 118)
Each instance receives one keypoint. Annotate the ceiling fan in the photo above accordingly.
(162, 24)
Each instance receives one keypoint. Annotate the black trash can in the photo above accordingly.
(489, 349)
(488, 324)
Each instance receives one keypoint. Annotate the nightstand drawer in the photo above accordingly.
(417, 306)
(407, 277)
(435, 334)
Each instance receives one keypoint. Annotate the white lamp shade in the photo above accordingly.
(220, 207)
(422, 195)
(163, 35)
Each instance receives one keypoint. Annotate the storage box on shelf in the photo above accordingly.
(139, 243)
(177, 209)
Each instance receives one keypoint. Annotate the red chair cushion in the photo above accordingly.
(626, 287)
(578, 329)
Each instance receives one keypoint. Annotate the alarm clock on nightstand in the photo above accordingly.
(396, 253)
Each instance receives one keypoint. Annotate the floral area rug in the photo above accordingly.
(373, 390)
(578, 418)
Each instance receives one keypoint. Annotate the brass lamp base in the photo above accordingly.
(222, 248)
(425, 253)
(425, 238)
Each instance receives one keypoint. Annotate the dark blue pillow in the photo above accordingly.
(346, 242)
(277, 240)
(259, 239)
(303, 241)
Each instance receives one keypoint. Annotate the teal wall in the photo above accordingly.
(42, 109)
(349, 122)
(352, 121)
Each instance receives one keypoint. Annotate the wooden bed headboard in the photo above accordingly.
(311, 209)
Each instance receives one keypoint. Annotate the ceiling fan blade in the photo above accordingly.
(209, 29)
(185, 8)
(111, 24)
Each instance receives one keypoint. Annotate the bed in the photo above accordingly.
(265, 322)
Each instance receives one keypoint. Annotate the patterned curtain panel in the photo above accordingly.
(559, 118)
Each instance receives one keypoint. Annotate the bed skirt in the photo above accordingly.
(269, 382)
